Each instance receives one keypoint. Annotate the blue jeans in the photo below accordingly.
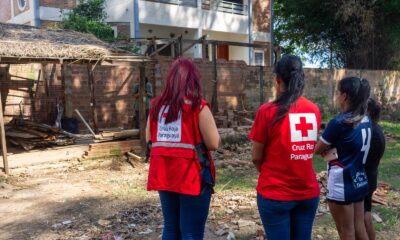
(284, 220)
(185, 216)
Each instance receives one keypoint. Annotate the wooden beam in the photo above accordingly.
(92, 98)
(3, 139)
(142, 106)
(67, 83)
(214, 99)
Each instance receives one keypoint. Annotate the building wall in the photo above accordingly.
(5, 10)
(17, 10)
(62, 4)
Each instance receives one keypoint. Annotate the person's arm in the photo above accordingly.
(257, 154)
(208, 129)
(321, 148)
(329, 136)
(148, 134)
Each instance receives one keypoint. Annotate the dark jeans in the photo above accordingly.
(137, 118)
(284, 220)
(185, 216)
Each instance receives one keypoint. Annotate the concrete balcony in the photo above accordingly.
(225, 6)
(157, 12)
(189, 3)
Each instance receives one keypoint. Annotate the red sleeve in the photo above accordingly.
(258, 131)
(203, 104)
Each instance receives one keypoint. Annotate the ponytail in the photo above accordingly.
(290, 70)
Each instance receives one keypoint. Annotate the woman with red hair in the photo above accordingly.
(182, 131)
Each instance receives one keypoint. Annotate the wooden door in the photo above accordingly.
(223, 52)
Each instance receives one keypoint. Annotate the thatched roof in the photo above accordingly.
(21, 41)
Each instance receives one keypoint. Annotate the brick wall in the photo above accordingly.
(18, 11)
(48, 24)
(123, 29)
(5, 10)
(113, 92)
(238, 84)
(238, 88)
(63, 4)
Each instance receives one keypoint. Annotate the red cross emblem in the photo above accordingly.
(303, 126)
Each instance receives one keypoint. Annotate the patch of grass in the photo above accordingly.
(389, 216)
(318, 163)
(389, 167)
(391, 127)
(236, 180)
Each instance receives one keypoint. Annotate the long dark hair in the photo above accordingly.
(374, 110)
(183, 80)
(357, 91)
(290, 70)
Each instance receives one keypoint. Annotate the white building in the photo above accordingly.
(246, 21)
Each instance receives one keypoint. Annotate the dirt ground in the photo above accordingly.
(107, 200)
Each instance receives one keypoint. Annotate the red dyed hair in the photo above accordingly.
(183, 80)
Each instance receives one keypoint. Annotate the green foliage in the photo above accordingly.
(88, 17)
(352, 34)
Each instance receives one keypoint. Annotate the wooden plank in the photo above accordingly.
(92, 98)
(142, 105)
(3, 139)
(67, 83)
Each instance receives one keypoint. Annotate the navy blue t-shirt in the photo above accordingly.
(347, 180)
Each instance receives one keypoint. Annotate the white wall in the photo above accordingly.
(24, 17)
(51, 14)
(235, 53)
(168, 15)
(225, 22)
(119, 11)
(190, 17)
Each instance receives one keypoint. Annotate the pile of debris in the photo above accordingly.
(29, 134)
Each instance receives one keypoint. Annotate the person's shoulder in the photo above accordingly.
(267, 106)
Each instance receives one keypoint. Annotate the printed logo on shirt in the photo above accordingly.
(169, 132)
(303, 127)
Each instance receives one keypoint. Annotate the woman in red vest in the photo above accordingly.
(284, 134)
(182, 131)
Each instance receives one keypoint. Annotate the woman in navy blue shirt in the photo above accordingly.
(371, 166)
(350, 134)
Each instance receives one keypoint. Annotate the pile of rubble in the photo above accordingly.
(29, 134)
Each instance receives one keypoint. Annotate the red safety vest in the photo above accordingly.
(173, 160)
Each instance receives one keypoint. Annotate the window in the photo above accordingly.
(21, 4)
(259, 58)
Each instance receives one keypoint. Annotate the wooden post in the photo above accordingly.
(3, 139)
(204, 50)
(214, 99)
(92, 98)
(262, 85)
(142, 106)
(67, 91)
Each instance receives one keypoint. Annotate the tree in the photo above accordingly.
(88, 17)
(341, 33)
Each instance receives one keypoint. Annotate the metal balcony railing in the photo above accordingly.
(189, 3)
(224, 6)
